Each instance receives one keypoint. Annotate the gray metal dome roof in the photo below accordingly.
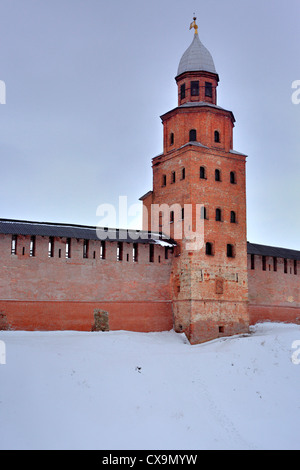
(196, 58)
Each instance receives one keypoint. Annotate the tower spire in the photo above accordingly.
(194, 25)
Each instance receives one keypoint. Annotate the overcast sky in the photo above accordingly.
(86, 84)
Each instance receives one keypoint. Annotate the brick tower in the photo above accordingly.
(199, 199)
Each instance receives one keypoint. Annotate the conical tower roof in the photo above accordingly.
(196, 58)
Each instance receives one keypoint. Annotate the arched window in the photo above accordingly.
(193, 135)
(217, 175)
(217, 136)
(232, 217)
(202, 172)
(229, 250)
(232, 177)
(218, 215)
(208, 249)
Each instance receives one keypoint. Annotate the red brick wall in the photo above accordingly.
(58, 293)
(205, 120)
(274, 295)
(203, 77)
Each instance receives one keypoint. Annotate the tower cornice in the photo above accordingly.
(195, 74)
(197, 107)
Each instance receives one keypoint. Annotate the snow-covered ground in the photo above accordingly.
(121, 390)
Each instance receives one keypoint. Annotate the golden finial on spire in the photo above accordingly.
(194, 25)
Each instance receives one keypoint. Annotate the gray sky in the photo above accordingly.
(86, 82)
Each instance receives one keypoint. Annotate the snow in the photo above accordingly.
(164, 243)
(123, 390)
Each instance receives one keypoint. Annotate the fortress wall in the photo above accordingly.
(274, 289)
(39, 292)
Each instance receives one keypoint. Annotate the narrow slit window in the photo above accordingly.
(182, 91)
(172, 138)
(171, 216)
(230, 251)
(173, 177)
(151, 253)
(193, 135)
(68, 248)
(120, 251)
(208, 89)
(203, 212)
(14, 239)
(102, 250)
(202, 173)
(217, 175)
(32, 246)
(195, 88)
(208, 249)
(135, 253)
(164, 180)
(51, 247)
(217, 136)
(232, 177)
(295, 266)
(285, 265)
(166, 252)
(160, 220)
(274, 263)
(85, 248)
(264, 263)
(252, 261)
(183, 173)
(182, 213)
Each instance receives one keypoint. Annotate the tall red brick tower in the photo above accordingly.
(199, 188)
